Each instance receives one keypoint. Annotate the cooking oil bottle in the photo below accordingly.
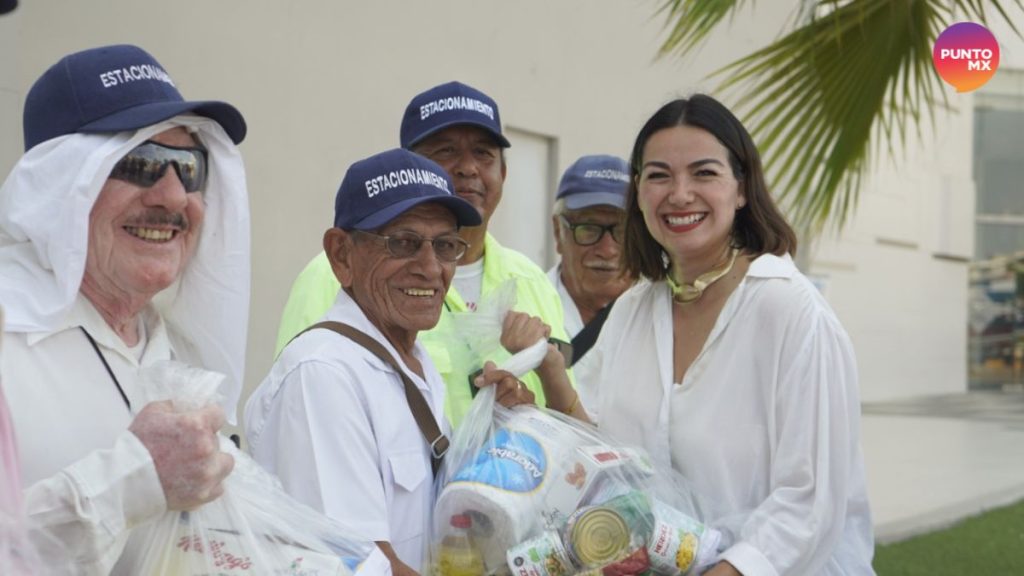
(457, 555)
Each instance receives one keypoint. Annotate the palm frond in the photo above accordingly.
(853, 78)
(975, 10)
(692, 20)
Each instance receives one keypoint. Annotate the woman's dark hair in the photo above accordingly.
(759, 227)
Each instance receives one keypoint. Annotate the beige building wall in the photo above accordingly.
(324, 83)
(897, 276)
(12, 90)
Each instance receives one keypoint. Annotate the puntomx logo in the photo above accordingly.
(966, 55)
(512, 461)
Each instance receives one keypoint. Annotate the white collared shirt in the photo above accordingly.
(332, 422)
(765, 424)
(571, 314)
(65, 407)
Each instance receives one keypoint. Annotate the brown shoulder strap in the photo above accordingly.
(421, 412)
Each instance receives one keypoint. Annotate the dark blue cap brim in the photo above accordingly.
(502, 141)
(582, 200)
(229, 118)
(465, 213)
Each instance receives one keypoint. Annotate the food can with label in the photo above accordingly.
(544, 555)
(677, 541)
(597, 535)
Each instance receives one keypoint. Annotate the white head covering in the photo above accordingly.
(44, 231)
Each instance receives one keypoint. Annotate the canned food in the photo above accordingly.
(672, 549)
(544, 555)
(675, 541)
(597, 535)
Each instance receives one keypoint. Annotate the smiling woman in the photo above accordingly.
(724, 361)
(689, 197)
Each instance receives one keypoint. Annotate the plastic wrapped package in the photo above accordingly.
(254, 528)
(545, 495)
(18, 555)
(532, 492)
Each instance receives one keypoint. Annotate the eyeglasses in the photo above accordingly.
(147, 163)
(588, 233)
(448, 248)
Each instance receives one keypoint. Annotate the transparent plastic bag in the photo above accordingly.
(535, 492)
(28, 550)
(18, 554)
(476, 336)
(25, 548)
(253, 528)
(531, 491)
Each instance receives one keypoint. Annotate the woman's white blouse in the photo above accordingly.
(765, 424)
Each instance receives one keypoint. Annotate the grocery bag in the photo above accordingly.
(530, 491)
(254, 528)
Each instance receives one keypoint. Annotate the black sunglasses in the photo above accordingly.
(147, 163)
(447, 248)
(588, 234)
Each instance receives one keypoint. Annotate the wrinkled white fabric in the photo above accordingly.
(88, 479)
(571, 314)
(44, 228)
(766, 422)
(63, 401)
(331, 420)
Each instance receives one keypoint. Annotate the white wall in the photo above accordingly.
(898, 275)
(11, 91)
(529, 190)
(324, 83)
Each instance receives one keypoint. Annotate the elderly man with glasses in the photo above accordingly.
(351, 415)
(124, 242)
(587, 222)
(459, 127)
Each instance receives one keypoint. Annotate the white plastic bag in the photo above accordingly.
(535, 492)
(531, 491)
(255, 528)
(476, 336)
(18, 553)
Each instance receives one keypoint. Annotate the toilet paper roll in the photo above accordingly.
(503, 487)
(497, 524)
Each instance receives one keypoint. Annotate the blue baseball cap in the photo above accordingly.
(112, 89)
(448, 105)
(380, 188)
(598, 180)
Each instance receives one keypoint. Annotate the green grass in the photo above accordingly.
(992, 543)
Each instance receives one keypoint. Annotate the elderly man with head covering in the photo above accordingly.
(124, 241)
(353, 423)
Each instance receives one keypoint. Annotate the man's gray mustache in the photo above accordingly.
(161, 218)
